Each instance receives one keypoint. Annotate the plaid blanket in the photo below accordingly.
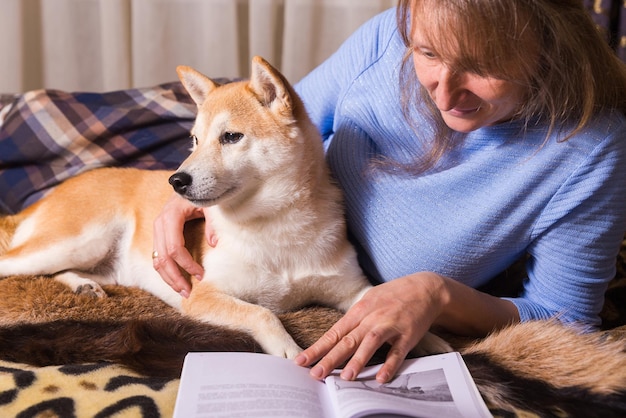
(47, 136)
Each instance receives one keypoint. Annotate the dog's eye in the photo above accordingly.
(230, 137)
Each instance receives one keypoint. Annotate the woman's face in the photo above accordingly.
(467, 101)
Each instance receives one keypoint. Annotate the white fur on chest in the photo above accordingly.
(299, 271)
(260, 280)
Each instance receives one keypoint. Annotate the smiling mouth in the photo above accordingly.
(464, 112)
(212, 201)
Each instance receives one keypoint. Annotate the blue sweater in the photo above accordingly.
(500, 195)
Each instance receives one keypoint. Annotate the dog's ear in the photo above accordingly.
(197, 84)
(270, 86)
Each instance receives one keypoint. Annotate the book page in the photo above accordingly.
(232, 385)
(434, 386)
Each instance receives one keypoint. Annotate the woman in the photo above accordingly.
(465, 134)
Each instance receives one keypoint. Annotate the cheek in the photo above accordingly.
(500, 94)
(425, 75)
(511, 102)
(507, 88)
(504, 105)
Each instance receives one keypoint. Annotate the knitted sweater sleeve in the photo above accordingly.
(577, 237)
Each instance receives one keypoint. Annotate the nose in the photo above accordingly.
(180, 182)
(447, 89)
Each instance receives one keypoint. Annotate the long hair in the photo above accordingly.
(550, 47)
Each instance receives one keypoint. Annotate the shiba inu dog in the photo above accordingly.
(257, 161)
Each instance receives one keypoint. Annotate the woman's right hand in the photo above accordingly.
(169, 243)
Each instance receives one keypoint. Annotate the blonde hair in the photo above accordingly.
(550, 47)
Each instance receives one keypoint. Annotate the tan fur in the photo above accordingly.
(134, 191)
(550, 352)
(258, 164)
(39, 300)
(7, 228)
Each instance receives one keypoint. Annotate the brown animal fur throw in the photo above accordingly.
(539, 367)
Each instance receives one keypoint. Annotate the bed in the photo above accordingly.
(47, 136)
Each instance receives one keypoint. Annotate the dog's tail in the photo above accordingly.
(541, 367)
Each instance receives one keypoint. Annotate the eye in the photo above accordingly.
(230, 137)
(194, 139)
(426, 53)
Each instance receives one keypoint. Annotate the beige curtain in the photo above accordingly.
(103, 45)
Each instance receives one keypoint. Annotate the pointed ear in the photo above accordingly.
(197, 85)
(269, 85)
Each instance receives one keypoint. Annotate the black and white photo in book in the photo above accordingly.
(426, 391)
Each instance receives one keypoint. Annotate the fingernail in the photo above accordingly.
(317, 372)
(184, 294)
(382, 377)
(300, 360)
(198, 276)
(347, 374)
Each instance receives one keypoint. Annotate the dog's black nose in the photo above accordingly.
(180, 182)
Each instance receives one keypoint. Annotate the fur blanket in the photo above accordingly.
(67, 355)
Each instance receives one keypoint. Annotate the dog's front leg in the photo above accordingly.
(209, 304)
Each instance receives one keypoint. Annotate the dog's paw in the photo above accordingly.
(292, 352)
(286, 347)
(81, 285)
(90, 289)
(289, 352)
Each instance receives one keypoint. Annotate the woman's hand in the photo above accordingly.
(398, 312)
(169, 243)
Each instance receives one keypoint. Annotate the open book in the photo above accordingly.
(259, 385)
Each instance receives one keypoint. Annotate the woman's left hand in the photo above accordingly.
(398, 312)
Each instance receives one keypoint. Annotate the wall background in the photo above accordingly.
(103, 45)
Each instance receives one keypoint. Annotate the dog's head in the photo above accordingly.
(247, 139)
